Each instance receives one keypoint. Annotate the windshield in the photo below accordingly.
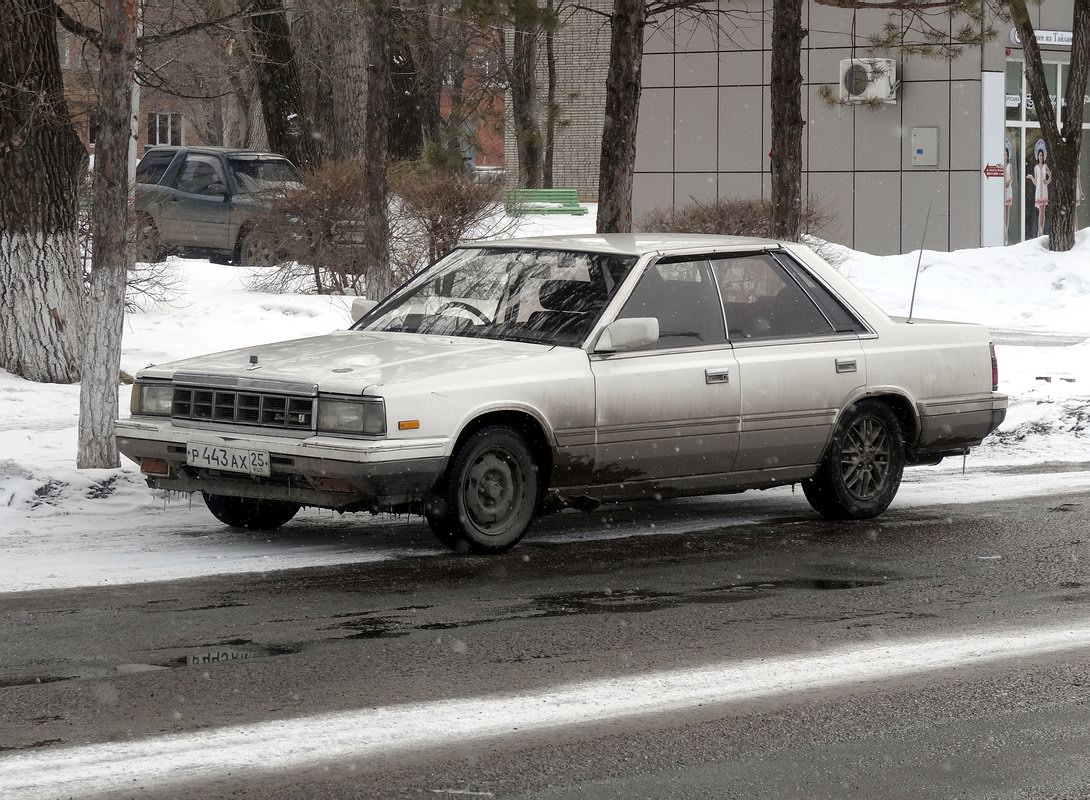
(255, 175)
(544, 296)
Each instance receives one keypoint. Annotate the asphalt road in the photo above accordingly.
(112, 665)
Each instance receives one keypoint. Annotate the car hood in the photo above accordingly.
(350, 362)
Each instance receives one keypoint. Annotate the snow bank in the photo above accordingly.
(1021, 287)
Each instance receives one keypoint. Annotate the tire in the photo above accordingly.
(862, 470)
(490, 494)
(250, 513)
(443, 525)
(253, 251)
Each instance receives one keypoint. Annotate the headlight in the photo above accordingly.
(366, 416)
(151, 399)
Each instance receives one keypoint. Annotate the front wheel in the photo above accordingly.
(861, 473)
(490, 494)
(249, 512)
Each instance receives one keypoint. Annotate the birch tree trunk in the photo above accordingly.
(109, 225)
(787, 123)
(376, 224)
(623, 86)
(41, 165)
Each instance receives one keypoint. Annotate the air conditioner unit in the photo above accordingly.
(866, 80)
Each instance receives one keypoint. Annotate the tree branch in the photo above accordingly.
(94, 36)
(77, 28)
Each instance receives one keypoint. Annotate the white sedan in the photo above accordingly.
(516, 377)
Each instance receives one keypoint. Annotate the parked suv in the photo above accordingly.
(199, 199)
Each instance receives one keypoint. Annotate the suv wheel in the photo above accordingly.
(254, 251)
(146, 248)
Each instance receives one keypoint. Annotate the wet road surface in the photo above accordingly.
(126, 664)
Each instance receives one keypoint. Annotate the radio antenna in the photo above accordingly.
(916, 280)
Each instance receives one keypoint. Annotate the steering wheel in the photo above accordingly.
(465, 307)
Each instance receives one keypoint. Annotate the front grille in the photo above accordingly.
(243, 408)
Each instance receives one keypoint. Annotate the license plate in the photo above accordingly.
(229, 459)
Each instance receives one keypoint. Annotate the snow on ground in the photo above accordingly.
(64, 527)
(1021, 287)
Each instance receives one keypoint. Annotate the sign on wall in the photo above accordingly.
(1045, 38)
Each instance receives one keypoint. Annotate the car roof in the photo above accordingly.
(635, 244)
(226, 151)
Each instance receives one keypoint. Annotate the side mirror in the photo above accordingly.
(360, 306)
(628, 334)
(216, 189)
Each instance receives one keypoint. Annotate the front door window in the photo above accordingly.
(681, 295)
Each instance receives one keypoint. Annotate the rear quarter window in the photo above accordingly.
(153, 166)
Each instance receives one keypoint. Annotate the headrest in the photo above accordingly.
(569, 295)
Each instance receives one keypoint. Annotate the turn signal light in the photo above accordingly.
(155, 466)
(408, 425)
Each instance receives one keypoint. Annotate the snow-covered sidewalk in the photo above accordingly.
(63, 527)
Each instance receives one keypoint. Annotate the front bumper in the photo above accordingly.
(322, 471)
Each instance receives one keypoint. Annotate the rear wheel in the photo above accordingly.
(253, 250)
(490, 494)
(861, 473)
(249, 512)
(147, 248)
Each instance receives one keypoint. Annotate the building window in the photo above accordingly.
(165, 129)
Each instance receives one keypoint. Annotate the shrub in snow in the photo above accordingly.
(434, 206)
(738, 217)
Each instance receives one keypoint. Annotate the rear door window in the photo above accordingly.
(762, 301)
(198, 173)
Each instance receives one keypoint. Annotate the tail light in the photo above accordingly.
(995, 368)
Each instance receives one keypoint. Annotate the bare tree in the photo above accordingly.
(1063, 143)
(348, 58)
(41, 164)
(110, 259)
(623, 85)
(552, 108)
(286, 124)
(786, 93)
(376, 224)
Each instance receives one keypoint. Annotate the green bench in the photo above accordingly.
(519, 202)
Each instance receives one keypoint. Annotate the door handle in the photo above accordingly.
(845, 365)
(717, 376)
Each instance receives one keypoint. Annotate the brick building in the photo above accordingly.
(582, 60)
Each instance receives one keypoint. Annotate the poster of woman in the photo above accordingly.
(1008, 189)
(1041, 178)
